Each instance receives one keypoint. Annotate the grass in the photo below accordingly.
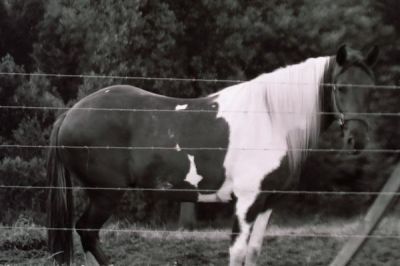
(20, 245)
(22, 239)
(207, 246)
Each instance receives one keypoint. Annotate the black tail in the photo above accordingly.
(60, 203)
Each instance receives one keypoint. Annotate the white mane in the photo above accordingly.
(276, 110)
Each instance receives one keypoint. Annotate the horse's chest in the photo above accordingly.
(254, 151)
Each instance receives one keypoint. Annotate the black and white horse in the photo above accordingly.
(246, 138)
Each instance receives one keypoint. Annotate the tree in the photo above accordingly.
(5, 29)
(18, 166)
(18, 32)
(222, 39)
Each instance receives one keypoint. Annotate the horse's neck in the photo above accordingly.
(244, 107)
(279, 104)
(241, 98)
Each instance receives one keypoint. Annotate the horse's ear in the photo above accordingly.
(341, 55)
(372, 56)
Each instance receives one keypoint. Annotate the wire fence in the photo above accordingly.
(185, 79)
(216, 149)
(179, 111)
(276, 192)
(174, 79)
(205, 232)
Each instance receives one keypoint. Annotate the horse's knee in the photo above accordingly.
(87, 236)
(91, 245)
(89, 239)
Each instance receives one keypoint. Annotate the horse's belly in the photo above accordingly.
(177, 169)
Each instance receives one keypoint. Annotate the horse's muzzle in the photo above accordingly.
(355, 136)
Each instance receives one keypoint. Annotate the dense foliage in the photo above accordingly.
(224, 39)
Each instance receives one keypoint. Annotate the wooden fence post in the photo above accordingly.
(187, 215)
(374, 215)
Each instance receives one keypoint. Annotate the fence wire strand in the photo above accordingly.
(152, 231)
(174, 79)
(178, 149)
(136, 189)
(234, 81)
(179, 111)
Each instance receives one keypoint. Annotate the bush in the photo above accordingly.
(18, 237)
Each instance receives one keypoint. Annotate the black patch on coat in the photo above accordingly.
(282, 178)
(235, 230)
(279, 179)
(193, 129)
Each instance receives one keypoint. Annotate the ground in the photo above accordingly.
(210, 247)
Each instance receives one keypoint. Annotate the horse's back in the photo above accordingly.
(111, 110)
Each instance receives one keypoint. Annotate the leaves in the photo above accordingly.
(222, 39)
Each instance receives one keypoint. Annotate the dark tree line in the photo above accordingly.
(224, 39)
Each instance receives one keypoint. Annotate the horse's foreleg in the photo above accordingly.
(242, 228)
(257, 237)
(100, 207)
(248, 229)
(240, 234)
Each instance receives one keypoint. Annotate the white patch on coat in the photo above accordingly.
(107, 91)
(192, 176)
(170, 133)
(181, 107)
(224, 193)
(269, 117)
(177, 147)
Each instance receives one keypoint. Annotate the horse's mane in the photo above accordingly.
(294, 100)
(291, 97)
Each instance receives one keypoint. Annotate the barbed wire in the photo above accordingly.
(390, 87)
(289, 192)
(55, 108)
(178, 149)
(152, 231)
(354, 193)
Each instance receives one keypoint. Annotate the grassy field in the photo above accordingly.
(289, 245)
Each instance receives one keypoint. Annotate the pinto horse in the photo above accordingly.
(235, 143)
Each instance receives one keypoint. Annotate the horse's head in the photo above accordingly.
(352, 78)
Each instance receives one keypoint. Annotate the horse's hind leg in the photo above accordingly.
(101, 204)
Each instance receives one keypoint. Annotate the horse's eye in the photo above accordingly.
(342, 88)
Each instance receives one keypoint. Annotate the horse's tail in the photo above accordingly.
(60, 202)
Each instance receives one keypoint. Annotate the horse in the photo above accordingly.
(231, 145)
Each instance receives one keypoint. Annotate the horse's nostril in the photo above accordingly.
(350, 142)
